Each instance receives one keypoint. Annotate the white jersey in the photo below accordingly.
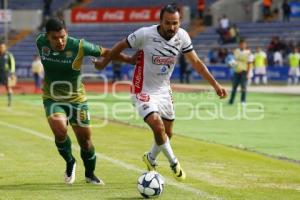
(156, 58)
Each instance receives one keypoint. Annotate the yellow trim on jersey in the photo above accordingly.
(100, 49)
(76, 65)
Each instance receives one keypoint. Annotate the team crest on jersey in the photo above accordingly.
(177, 41)
(45, 51)
(163, 60)
(69, 54)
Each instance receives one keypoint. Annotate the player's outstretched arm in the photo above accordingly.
(201, 68)
(114, 54)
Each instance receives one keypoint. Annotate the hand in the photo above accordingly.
(221, 91)
(133, 58)
(98, 63)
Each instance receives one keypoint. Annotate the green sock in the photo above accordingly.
(64, 149)
(89, 161)
(9, 98)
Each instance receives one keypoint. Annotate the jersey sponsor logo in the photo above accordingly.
(163, 69)
(69, 54)
(163, 60)
(56, 60)
(138, 76)
(45, 51)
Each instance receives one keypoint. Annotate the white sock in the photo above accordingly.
(290, 81)
(265, 80)
(155, 150)
(168, 152)
(296, 80)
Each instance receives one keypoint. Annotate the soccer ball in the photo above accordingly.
(150, 184)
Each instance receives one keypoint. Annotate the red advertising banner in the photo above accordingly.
(114, 15)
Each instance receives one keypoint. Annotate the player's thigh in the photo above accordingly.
(80, 115)
(244, 80)
(236, 80)
(57, 118)
(165, 106)
(145, 105)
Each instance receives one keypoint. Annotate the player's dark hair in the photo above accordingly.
(170, 8)
(242, 40)
(55, 24)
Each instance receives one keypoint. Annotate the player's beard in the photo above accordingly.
(168, 34)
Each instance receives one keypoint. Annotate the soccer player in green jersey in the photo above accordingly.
(64, 96)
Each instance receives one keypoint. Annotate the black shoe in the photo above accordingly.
(70, 172)
(94, 180)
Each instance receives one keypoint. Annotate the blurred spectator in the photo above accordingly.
(38, 73)
(276, 45)
(234, 33)
(46, 13)
(267, 4)
(224, 23)
(208, 19)
(278, 59)
(213, 56)
(201, 8)
(116, 68)
(286, 10)
(222, 53)
(260, 64)
(294, 63)
(185, 71)
(227, 33)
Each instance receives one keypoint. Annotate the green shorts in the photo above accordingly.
(77, 113)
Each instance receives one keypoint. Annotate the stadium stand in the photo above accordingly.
(257, 34)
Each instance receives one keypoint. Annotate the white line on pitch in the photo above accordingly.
(115, 161)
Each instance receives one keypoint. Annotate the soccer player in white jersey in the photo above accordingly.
(159, 46)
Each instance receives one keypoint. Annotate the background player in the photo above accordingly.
(7, 71)
(241, 74)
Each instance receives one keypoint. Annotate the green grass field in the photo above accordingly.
(206, 128)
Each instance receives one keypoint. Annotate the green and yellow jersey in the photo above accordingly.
(62, 68)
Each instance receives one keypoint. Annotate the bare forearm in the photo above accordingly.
(120, 57)
(203, 71)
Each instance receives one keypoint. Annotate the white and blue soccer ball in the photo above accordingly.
(150, 184)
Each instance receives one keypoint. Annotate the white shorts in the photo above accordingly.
(260, 71)
(147, 104)
(294, 71)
